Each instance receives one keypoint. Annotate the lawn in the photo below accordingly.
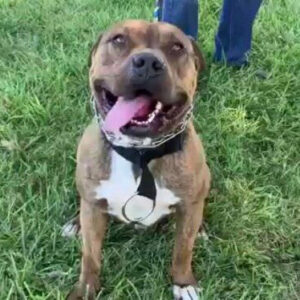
(250, 128)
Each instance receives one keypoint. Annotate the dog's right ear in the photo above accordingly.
(93, 50)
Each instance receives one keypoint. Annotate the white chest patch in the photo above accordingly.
(122, 185)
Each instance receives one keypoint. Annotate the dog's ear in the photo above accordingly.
(199, 59)
(94, 48)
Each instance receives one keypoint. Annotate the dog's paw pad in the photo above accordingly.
(188, 292)
(70, 229)
(202, 234)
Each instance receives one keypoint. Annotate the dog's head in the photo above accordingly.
(143, 76)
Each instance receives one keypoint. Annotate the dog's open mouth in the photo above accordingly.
(143, 115)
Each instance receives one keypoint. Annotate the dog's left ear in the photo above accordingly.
(93, 50)
(199, 59)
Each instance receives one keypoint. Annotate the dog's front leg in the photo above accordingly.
(189, 220)
(93, 226)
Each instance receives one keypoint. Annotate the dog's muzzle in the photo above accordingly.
(126, 141)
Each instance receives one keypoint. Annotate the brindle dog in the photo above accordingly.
(149, 63)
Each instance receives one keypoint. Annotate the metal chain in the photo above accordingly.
(144, 142)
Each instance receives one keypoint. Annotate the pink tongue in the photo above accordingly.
(123, 111)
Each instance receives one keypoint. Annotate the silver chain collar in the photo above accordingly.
(134, 142)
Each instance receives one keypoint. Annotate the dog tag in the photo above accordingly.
(137, 208)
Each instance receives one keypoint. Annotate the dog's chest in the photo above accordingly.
(122, 185)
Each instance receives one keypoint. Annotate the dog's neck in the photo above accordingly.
(141, 157)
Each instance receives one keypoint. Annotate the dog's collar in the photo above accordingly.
(141, 143)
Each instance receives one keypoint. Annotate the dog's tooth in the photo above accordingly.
(151, 119)
(150, 116)
(136, 122)
(158, 106)
(157, 110)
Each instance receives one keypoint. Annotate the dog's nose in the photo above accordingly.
(146, 66)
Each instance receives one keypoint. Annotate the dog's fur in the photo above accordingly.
(184, 173)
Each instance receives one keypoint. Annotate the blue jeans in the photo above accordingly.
(234, 35)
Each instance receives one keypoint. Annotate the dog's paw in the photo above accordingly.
(202, 234)
(188, 292)
(83, 292)
(71, 228)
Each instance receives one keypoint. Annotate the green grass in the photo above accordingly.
(251, 132)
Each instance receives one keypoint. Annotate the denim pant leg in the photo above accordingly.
(233, 38)
(181, 13)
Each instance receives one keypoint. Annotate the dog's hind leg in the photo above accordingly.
(202, 233)
(71, 228)
(93, 226)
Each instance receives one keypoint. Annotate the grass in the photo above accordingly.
(250, 128)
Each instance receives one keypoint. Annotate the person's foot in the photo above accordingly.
(236, 65)
(260, 73)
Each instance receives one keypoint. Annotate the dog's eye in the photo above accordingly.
(118, 39)
(177, 47)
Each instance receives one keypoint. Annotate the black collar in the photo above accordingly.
(141, 158)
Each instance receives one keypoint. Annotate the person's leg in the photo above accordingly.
(181, 13)
(233, 38)
(158, 10)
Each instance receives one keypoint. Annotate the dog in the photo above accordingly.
(141, 159)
